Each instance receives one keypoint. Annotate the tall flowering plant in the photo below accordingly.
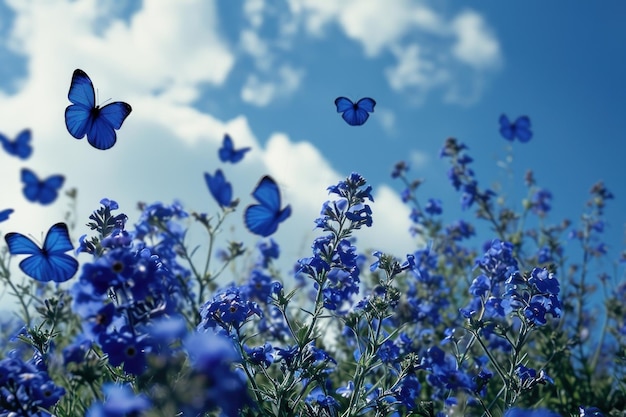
(463, 325)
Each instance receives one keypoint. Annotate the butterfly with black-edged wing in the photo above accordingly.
(355, 114)
(84, 117)
(19, 147)
(520, 128)
(50, 262)
(41, 191)
(263, 218)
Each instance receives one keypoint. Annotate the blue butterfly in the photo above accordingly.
(220, 189)
(228, 153)
(49, 263)
(20, 147)
(43, 192)
(355, 114)
(263, 219)
(519, 129)
(4, 214)
(83, 117)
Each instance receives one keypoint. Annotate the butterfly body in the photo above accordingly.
(19, 147)
(50, 262)
(519, 129)
(84, 117)
(228, 153)
(355, 113)
(263, 218)
(38, 191)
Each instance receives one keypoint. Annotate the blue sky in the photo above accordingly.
(267, 72)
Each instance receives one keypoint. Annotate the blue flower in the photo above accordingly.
(520, 412)
(433, 206)
(25, 388)
(260, 355)
(124, 347)
(213, 358)
(120, 401)
(399, 169)
(590, 412)
(229, 309)
(540, 202)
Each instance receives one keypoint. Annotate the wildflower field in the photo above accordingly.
(453, 328)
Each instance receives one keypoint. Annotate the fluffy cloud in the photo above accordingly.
(475, 44)
(431, 50)
(282, 83)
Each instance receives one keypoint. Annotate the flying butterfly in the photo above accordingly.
(38, 191)
(19, 147)
(221, 190)
(520, 128)
(49, 263)
(228, 153)
(355, 114)
(84, 117)
(263, 219)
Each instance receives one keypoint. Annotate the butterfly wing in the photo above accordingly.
(507, 130)
(263, 219)
(101, 132)
(220, 189)
(343, 104)
(267, 193)
(366, 104)
(78, 116)
(522, 129)
(49, 189)
(4, 214)
(22, 144)
(260, 220)
(21, 245)
(60, 266)
(31, 185)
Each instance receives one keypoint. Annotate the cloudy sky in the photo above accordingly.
(267, 72)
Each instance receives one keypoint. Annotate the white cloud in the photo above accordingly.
(413, 70)
(252, 44)
(386, 118)
(418, 159)
(274, 77)
(389, 231)
(60, 36)
(475, 44)
(253, 10)
(283, 83)
(431, 50)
